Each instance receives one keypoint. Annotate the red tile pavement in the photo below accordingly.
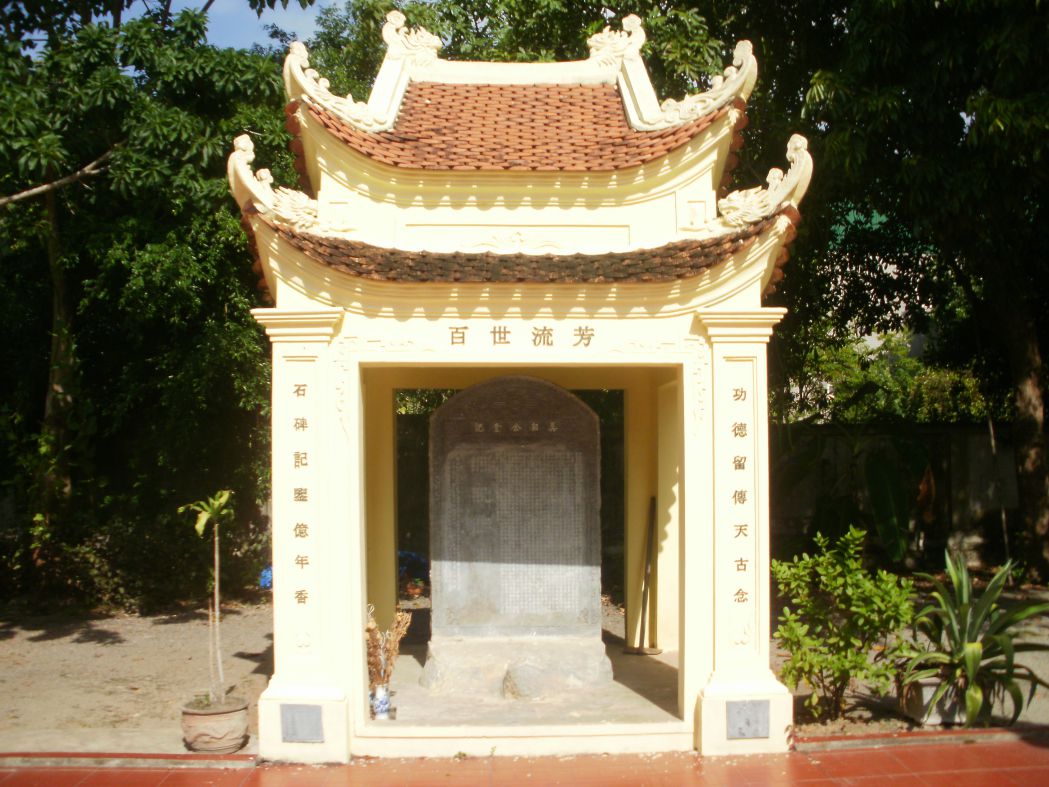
(957, 764)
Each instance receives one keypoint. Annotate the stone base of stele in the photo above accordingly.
(515, 667)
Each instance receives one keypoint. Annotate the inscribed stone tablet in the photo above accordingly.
(514, 531)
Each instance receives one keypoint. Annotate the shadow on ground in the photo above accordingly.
(80, 629)
(263, 659)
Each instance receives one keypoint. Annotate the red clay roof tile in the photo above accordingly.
(498, 127)
(677, 260)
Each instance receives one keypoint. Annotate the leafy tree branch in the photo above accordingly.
(96, 167)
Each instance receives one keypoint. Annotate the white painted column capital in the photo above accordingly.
(286, 325)
(755, 325)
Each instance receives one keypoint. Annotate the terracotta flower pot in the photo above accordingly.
(217, 728)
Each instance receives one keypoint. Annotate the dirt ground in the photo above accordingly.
(75, 677)
(74, 674)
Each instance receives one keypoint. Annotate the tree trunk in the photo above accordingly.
(55, 480)
(1023, 353)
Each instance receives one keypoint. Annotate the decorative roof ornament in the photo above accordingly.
(618, 54)
(286, 207)
(747, 206)
(247, 186)
(416, 44)
(738, 80)
(610, 48)
(301, 81)
(406, 49)
(294, 209)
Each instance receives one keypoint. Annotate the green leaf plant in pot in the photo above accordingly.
(966, 661)
(215, 722)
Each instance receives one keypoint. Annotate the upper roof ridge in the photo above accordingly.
(615, 58)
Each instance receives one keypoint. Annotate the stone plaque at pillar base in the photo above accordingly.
(515, 668)
(745, 712)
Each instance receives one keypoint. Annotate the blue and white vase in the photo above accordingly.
(381, 702)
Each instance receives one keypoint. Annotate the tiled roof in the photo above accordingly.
(681, 259)
(776, 276)
(512, 127)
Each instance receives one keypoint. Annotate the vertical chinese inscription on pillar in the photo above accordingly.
(737, 464)
(296, 491)
(299, 459)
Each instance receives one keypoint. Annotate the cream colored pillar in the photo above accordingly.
(380, 432)
(639, 462)
(668, 525)
(696, 558)
(743, 708)
(304, 712)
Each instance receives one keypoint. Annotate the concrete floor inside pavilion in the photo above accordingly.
(643, 690)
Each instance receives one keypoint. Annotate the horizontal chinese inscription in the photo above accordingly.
(500, 335)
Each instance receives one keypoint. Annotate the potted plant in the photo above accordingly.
(966, 659)
(214, 722)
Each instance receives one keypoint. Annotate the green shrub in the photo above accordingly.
(841, 622)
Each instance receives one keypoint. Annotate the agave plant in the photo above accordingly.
(971, 646)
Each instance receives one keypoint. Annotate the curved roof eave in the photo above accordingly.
(744, 215)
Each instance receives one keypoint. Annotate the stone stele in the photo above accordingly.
(515, 542)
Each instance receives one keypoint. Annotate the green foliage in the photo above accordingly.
(680, 51)
(841, 622)
(969, 644)
(215, 510)
(934, 116)
(881, 379)
(927, 209)
(982, 130)
(168, 374)
(420, 401)
(877, 481)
